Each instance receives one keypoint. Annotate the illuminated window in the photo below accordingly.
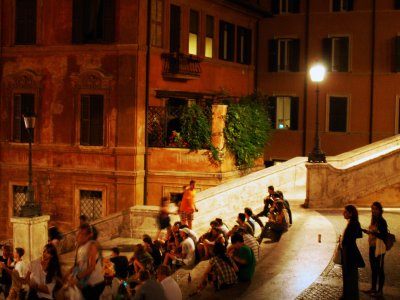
(209, 36)
(283, 112)
(193, 32)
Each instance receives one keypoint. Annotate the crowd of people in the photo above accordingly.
(232, 255)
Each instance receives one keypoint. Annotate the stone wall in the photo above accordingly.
(360, 177)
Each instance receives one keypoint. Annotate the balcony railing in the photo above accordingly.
(181, 66)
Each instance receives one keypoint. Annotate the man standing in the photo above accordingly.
(188, 206)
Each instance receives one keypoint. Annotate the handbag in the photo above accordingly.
(337, 255)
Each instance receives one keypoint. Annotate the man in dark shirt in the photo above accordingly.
(268, 202)
(5, 280)
(120, 263)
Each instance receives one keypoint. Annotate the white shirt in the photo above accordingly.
(20, 267)
(38, 276)
(171, 289)
(188, 248)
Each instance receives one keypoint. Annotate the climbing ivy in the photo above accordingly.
(247, 129)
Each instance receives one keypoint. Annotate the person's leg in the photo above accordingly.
(374, 268)
(381, 272)
(257, 219)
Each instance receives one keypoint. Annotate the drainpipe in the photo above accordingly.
(372, 81)
(147, 99)
(305, 95)
(256, 55)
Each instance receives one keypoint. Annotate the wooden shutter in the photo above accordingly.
(85, 120)
(272, 111)
(275, 7)
(294, 55)
(338, 114)
(273, 55)
(327, 53)
(96, 120)
(25, 22)
(336, 5)
(108, 21)
(77, 22)
(294, 113)
(344, 54)
(17, 119)
(349, 5)
(175, 28)
(294, 6)
(397, 54)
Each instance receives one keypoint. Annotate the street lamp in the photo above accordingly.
(30, 208)
(317, 74)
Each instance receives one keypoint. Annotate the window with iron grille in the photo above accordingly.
(157, 23)
(338, 111)
(336, 54)
(285, 6)
(93, 21)
(91, 204)
(23, 104)
(19, 198)
(284, 55)
(92, 120)
(25, 22)
(342, 5)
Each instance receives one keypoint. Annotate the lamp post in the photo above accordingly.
(317, 74)
(30, 208)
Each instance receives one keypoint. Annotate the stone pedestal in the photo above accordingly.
(31, 234)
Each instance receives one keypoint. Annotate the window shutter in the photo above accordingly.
(275, 7)
(294, 113)
(294, 6)
(273, 55)
(272, 111)
(397, 4)
(96, 120)
(85, 120)
(338, 114)
(175, 28)
(109, 21)
(77, 22)
(25, 22)
(397, 54)
(336, 5)
(294, 55)
(247, 47)
(327, 53)
(17, 118)
(344, 54)
(350, 5)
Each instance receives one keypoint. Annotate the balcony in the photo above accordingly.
(181, 66)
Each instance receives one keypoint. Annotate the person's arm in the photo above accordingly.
(239, 260)
(138, 266)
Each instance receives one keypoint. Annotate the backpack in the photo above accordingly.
(390, 239)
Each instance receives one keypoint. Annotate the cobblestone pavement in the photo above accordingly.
(329, 284)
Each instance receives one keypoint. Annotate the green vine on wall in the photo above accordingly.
(247, 129)
(196, 130)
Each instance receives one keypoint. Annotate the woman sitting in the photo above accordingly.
(221, 270)
(141, 260)
(277, 224)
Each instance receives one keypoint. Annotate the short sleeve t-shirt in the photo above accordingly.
(246, 271)
(188, 248)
